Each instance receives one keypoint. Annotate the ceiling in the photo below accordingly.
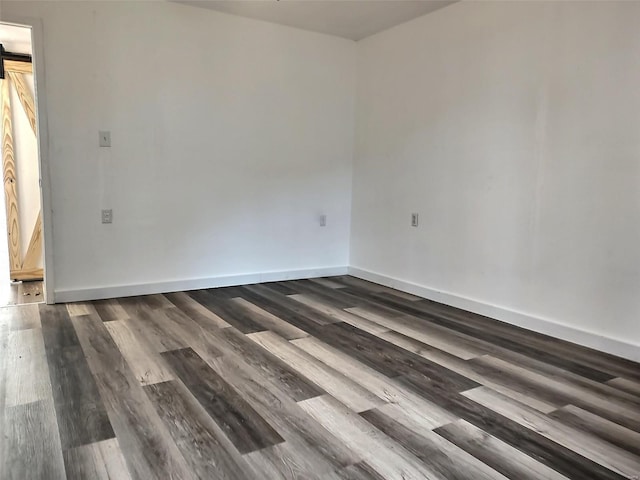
(15, 39)
(354, 19)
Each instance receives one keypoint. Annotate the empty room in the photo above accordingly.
(320, 239)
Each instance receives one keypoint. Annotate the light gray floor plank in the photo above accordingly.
(33, 449)
(147, 366)
(26, 362)
(494, 452)
(100, 461)
(80, 308)
(291, 461)
(383, 454)
(625, 385)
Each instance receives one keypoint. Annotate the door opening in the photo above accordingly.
(21, 238)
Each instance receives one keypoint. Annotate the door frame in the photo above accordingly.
(40, 100)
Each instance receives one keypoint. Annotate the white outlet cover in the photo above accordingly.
(105, 138)
(107, 216)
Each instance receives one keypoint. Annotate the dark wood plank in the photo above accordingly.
(110, 310)
(134, 305)
(204, 317)
(57, 329)
(285, 288)
(205, 449)
(327, 282)
(82, 417)
(245, 428)
(228, 311)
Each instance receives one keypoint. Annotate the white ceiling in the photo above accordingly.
(354, 19)
(15, 39)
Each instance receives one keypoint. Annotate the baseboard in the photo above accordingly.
(97, 293)
(548, 327)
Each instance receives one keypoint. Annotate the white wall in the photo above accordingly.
(513, 128)
(230, 137)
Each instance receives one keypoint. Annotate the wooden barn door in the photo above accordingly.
(23, 267)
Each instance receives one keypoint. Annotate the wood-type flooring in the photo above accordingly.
(330, 378)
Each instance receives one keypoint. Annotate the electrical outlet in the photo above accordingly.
(414, 219)
(105, 138)
(323, 220)
(107, 216)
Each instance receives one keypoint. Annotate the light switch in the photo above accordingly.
(105, 138)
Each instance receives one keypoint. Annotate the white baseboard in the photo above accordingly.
(97, 293)
(564, 332)
(548, 327)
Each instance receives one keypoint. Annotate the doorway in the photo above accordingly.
(21, 247)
